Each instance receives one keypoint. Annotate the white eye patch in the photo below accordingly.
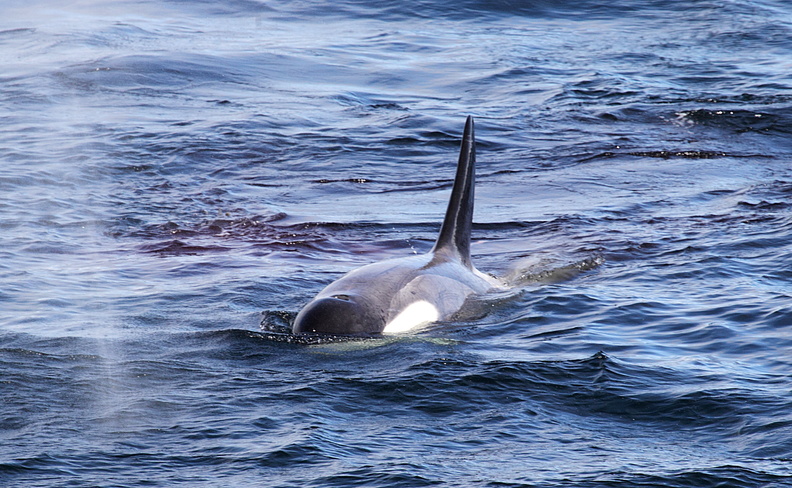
(417, 313)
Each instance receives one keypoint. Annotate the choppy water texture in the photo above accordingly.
(174, 173)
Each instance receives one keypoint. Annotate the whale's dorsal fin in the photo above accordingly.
(454, 238)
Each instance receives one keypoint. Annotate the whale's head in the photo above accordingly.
(339, 314)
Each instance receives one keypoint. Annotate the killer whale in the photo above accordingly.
(400, 294)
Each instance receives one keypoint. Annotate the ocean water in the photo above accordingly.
(177, 178)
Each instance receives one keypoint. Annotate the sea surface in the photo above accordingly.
(178, 177)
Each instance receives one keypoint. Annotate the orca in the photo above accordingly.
(401, 294)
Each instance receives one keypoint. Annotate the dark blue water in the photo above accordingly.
(177, 178)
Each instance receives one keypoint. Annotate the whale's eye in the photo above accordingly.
(341, 297)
